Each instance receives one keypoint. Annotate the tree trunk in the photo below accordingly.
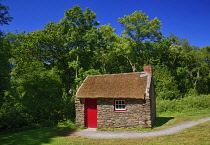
(196, 80)
(76, 71)
(133, 66)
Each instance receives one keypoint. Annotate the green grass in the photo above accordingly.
(63, 133)
(195, 135)
(38, 136)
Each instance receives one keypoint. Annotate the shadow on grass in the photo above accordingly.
(159, 121)
(35, 136)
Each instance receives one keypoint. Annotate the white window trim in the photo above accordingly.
(115, 103)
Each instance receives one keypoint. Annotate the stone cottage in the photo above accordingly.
(125, 100)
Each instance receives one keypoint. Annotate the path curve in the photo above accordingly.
(92, 132)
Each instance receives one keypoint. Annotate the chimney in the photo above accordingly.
(148, 69)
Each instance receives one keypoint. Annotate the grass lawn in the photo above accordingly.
(64, 134)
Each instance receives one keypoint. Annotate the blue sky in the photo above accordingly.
(188, 19)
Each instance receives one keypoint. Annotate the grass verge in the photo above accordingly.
(63, 133)
(58, 136)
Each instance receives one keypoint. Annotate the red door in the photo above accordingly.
(91, 113)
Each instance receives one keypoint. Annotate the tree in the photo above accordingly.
(165, 83)
(138, 27)
(44, 68)
(44, 72)
(5, 69)
(5, 18)
(199, 70)
(38, 94)
(107, 55)
(81, 38)
(142, 33)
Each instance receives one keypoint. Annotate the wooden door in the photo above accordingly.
(91, 113)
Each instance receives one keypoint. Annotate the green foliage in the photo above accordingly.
(36, 99)
(5, 54)
(189, 105)
(4, 15)
(139, 36)
(42, 70)
(165, 84)
(138, 27)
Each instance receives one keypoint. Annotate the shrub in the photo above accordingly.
(184, 105)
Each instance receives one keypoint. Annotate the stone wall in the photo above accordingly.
(137, 114)
(79, 109)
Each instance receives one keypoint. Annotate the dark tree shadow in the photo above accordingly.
(35, 136)
(159, 121)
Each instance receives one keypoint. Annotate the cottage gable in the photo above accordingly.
(125, 85)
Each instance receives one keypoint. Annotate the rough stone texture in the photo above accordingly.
(80, 115)
(137, 114)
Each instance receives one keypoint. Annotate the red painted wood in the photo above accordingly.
(91, 113)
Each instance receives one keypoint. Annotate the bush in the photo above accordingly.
(184, 105)
(37, 100)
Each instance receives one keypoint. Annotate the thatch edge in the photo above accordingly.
(81, 86)
(114, 74)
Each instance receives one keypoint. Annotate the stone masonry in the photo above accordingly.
(138, 114)
(80, 112)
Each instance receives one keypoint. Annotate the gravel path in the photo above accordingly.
(92, 132)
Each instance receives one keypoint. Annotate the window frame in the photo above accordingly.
(115, 105)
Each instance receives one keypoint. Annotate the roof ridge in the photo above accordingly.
(116, 74)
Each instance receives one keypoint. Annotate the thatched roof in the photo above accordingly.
(125, 85)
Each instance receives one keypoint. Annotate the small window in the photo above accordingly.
(120, 105)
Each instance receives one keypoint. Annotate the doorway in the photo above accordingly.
(91, 113)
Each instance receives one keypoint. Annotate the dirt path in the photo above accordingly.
(92, 132)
